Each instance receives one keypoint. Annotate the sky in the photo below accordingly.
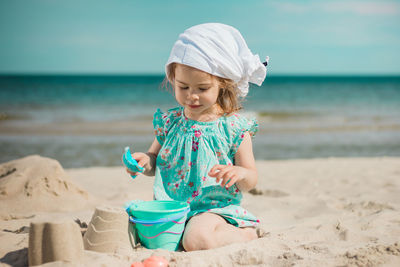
(330, 37)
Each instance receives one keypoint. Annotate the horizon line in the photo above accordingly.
(110, 74)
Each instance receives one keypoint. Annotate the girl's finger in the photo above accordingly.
(231, 172)
(214, 170)
(226, 180)
(219, 179)
(232, 181)
(136, 156)
(131, 173)
(140, 158)
(222, 173)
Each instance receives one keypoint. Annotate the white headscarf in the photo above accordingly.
(220, 50)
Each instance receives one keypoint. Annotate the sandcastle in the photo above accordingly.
(54, 241)
(109, 231)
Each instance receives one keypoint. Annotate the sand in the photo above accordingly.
(317, 212)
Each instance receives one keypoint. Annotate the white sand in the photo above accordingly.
(319, 212)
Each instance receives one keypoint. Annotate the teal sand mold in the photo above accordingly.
(130, 162)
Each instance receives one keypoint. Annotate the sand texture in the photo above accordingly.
(317, 212)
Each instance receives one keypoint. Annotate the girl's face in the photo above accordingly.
(196, 91)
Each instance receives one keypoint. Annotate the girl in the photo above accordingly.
(202, 152)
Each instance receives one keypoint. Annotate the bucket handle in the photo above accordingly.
(162, 220)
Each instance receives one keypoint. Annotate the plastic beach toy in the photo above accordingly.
(153, 261)
(159, 223)
(131, 163)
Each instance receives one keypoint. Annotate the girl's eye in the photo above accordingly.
(203, 89)
(183, 88)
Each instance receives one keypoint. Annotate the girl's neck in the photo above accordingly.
(212, 115)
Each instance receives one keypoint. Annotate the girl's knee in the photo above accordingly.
(250, 233)
(197, 240)
(199, 232)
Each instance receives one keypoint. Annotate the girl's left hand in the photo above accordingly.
(227, 174)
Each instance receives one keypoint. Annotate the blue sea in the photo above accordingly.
(86, 121)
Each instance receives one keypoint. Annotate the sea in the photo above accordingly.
(87, 120)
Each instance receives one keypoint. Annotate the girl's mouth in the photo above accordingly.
(194, 106)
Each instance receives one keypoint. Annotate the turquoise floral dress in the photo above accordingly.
(189, 149)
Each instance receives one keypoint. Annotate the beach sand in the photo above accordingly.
(317, 212)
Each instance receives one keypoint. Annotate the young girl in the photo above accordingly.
(202, 153)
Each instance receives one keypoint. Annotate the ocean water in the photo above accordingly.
(88, 120)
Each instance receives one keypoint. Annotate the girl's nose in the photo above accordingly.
(193, 96)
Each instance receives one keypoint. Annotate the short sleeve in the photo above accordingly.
(239, 126)
(163, 121)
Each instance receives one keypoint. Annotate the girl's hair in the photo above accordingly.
(228, 97)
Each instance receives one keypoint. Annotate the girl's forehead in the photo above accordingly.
(188, 74)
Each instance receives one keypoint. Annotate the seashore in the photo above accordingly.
(331, 211)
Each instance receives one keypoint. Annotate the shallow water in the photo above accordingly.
(88, 120)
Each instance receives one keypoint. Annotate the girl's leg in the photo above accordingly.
(208, 230)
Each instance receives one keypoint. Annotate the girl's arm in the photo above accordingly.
(153, 153)
(244, 158)
(147, 160)
(243, 173)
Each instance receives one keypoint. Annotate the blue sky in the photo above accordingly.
(135, 37)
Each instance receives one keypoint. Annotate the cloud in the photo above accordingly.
(366, 8)
(363, 8)
(336, 23)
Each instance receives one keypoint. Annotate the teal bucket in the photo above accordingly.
(159, 223)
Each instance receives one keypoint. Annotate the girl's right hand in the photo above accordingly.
(143, 160)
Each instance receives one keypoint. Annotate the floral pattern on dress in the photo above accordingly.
(189, 149)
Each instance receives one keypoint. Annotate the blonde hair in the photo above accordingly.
(228, 97)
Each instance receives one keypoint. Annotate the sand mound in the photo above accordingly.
(36, 183)
(371, 255)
